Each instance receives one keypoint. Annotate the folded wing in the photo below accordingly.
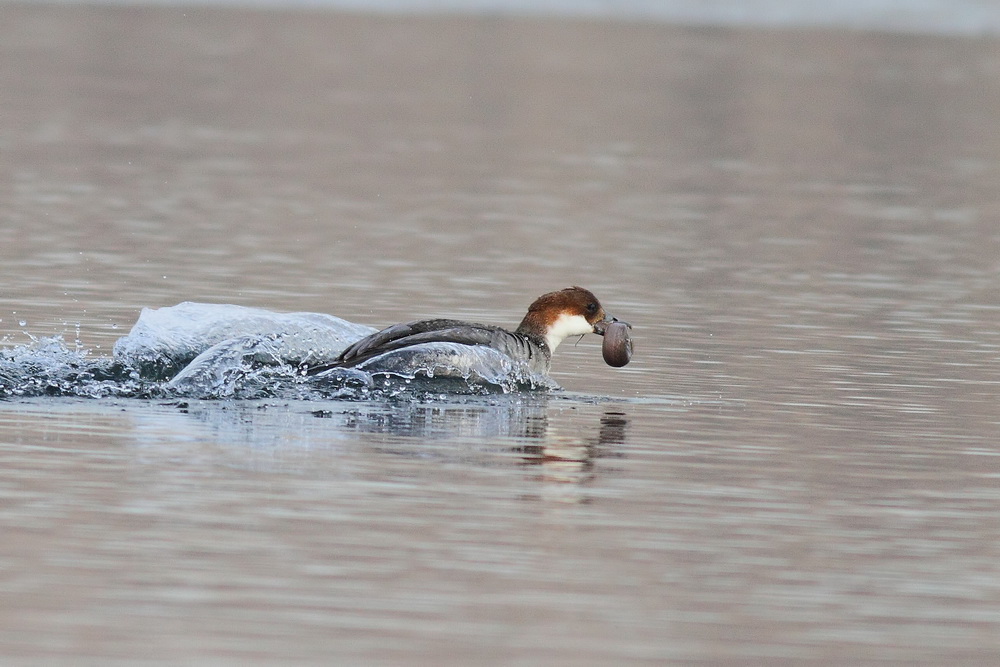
(399, 336)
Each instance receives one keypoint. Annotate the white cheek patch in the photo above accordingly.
(564, 326)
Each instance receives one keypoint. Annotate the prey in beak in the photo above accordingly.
(602, 326)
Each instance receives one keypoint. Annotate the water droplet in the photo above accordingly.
(22, 323)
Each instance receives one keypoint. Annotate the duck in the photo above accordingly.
(551, 318)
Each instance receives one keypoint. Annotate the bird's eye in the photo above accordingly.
(591, 308)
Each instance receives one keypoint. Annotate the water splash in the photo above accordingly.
(165, 340)
(230, 352)
(46, 367)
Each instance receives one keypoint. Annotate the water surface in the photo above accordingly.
(800, 463)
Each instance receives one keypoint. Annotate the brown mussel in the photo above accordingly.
(617, 346)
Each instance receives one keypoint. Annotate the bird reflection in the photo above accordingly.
(570, 458)
(554, 439)
(557, 447)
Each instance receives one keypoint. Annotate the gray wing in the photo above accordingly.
(399, 336)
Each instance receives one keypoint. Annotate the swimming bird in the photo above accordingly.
(550, 319)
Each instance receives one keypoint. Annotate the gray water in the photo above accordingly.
(959, 17)
(800, 463)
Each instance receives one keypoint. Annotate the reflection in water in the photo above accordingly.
(560, 458)
(505, 431)
(570, 459)
(491, 431)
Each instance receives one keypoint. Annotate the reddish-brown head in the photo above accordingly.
(573, 311)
